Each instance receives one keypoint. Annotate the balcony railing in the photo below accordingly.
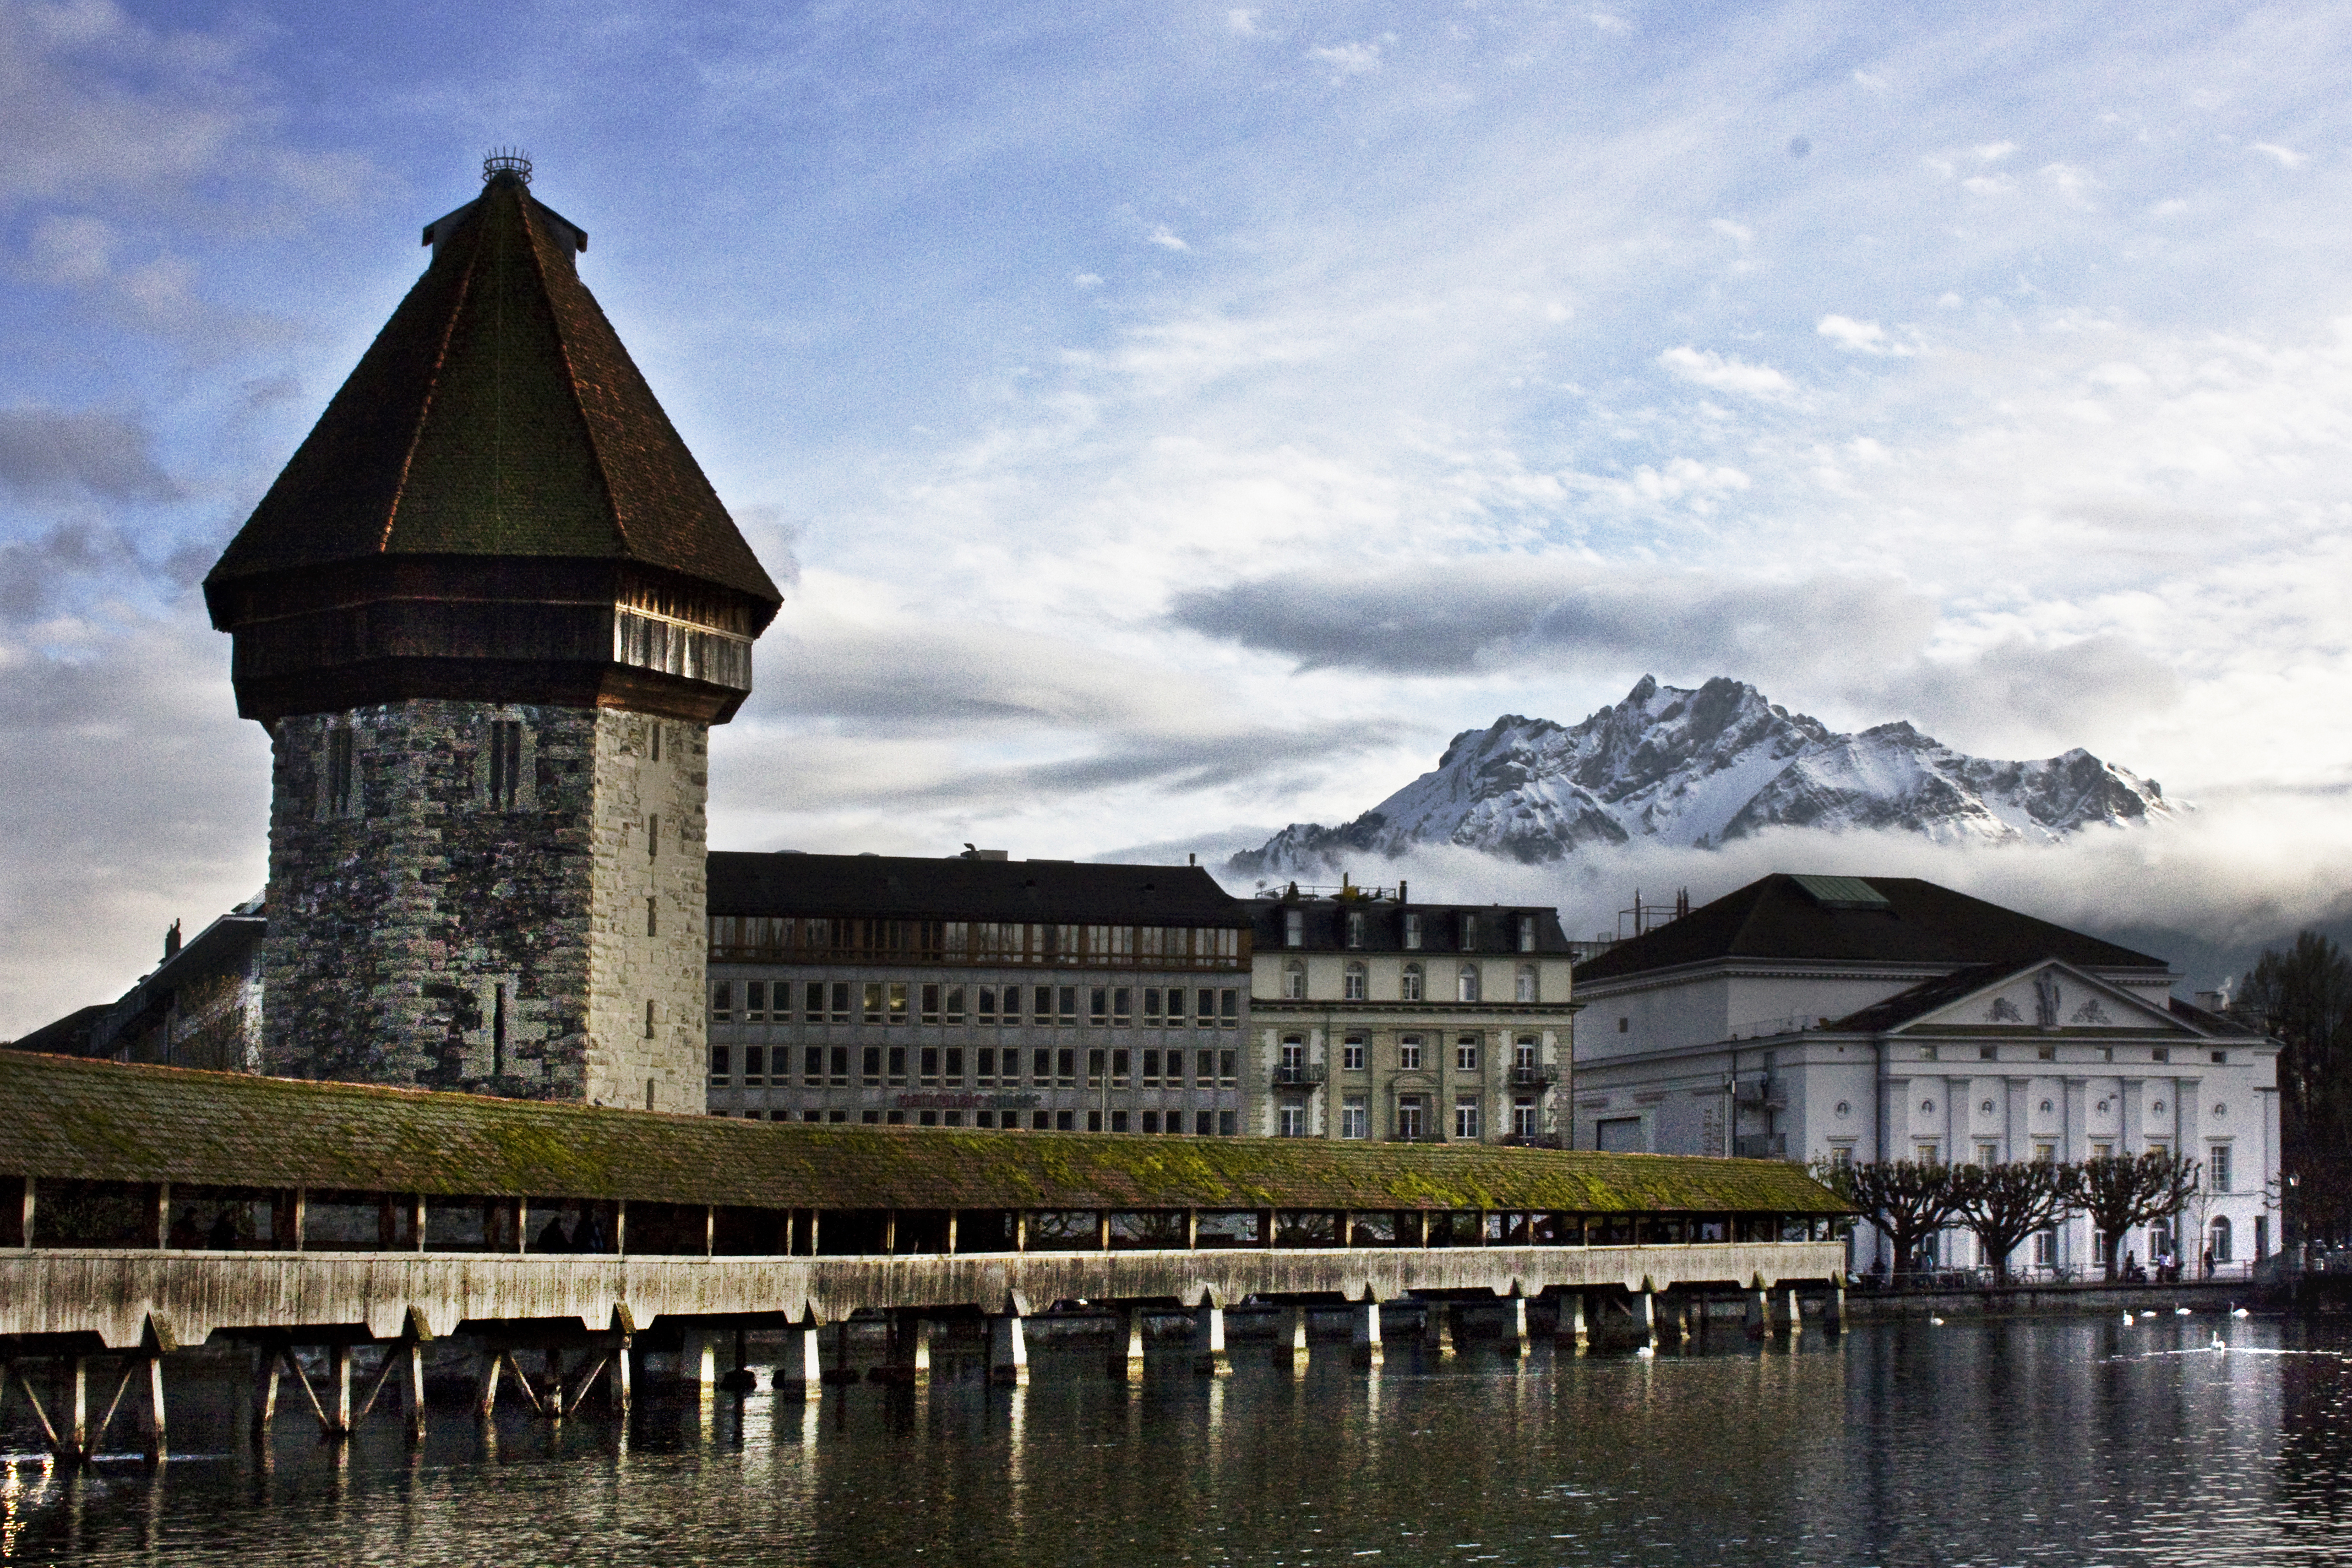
(1533, 1077)
(1300, 1075)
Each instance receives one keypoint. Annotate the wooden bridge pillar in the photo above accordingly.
(1209, 1356)
(740, 1378)
(78, 1417)
(800, 1373)
(1294, 1323)
(340, 1427)
(1365, 1332)
(1008, 1351)
(913, 1363)
(1796, 1316)
(269, 1365)
(1514, 1326)
(1833, 1310)
(1572, 1324)
(842, 1371)
(1437, 1328)
(1129, 1367)
(1759, 1314)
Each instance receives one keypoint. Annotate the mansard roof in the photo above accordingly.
(898, 887)
(496, 415)
(1778, 917)
(1442, 928)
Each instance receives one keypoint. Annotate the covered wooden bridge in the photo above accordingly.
(145, 1208)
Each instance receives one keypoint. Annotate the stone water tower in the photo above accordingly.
(489, 614)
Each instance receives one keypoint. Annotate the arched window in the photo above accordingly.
(1466, 985)
(1411, 984)
(1294, 981)
(2220, 1244)
(1352, 985)
(1526, 982)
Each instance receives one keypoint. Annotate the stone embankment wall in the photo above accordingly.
(2051, 1300)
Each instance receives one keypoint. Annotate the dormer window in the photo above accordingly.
(1355, 928)
(1469, 934)
(1412, 931)
(1293, 928)
(1526, 933)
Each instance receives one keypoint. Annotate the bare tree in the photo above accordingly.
(2120, 1191)
(1910, 1202)
(2004, 1204)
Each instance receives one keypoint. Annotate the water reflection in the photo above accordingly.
(2007, 1442)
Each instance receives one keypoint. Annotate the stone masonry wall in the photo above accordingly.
(421, 936)
(648, 834)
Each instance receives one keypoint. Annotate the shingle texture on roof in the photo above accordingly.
(1775, 917)
(497, 414)
(898, 886)
(64, 1118)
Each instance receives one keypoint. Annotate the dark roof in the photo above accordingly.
(1325, 926)
(107, 1121)
(1775, 917)
(497, 414)
(70, 1035)
(896, 886)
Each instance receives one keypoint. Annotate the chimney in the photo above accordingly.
(172, 941)
(1401, 898)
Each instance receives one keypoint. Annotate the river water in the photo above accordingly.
(2061, 1440)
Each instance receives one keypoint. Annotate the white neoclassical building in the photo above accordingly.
(1888, 1018)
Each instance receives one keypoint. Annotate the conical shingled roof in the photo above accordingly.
(496, 414)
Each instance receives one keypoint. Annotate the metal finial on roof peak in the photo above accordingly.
(506, 160)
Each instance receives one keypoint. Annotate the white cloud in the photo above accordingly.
(1352, 59)
(1862, 337)
(1166, 238)
(1609, 23)
(1874, 83)
(1720, 373)
(1988, 184)
(1737, 233)
(1994, 151)
(1243, 23)
(2288, 158)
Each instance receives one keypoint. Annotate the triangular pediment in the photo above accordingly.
(2049, 997)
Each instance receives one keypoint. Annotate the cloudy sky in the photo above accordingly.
(1179, 420)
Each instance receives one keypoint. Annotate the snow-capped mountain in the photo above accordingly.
(1700, 768)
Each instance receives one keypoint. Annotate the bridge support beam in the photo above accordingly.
(1209, 1345)
(800, 1370)
(1572, 1325)
(1437, 1328)
(1759, 1314)
(269, 1366)
(340, 1427)
(1364, 1331)
(1127, 1364)
(1008, 1352)
(1294, 1335)
(1646, 1316)
(1796, 1316)
(1833, 1310)
(1514, 1327)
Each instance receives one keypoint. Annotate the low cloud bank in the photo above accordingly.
(2206, 894)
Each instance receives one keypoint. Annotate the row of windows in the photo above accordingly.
(792, 939)
(944, 1065)
(1412, 1120)
(1469, 926)
(1527, 1052)
(2048, 1053)
(1355, 984)
(1204, 1123)
(1929, 1152)
(905, 1002)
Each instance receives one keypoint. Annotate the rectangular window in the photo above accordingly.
(718, 1069)
(653, 836)
(1465, 1054)
(1292, 1120)
(1526, 933)
(1041, 1007)
(1122, 1006)
(1408, 1054)
(1293, 928)
(1409, 987)
(2103, 1151)
(1041, 1066)
(1526, 1118)
(929, 1065)
(2045, 1153)
(988, 1004)
(1352, 1054)
(755, 1066)
(1227, 1061)
(1411, 929)
(755, 1000)
(1229, 1006)
(1011, 1000)
(1351, 984)
(1153, 1010)
(1410, 1111)
(841, 1001)
(1355, 928)
(955, 1004)
(930, 1003)
(1526, 1053)
(2216, 1167)
(1151, 1069)
(1355, 1121)
(506, 764)
(897, 1059)
(1226, 1125)
(813, 1066)
(840, 1073)
(1095, 1069)
(1122, 1062)
(1151, 1121)
(870, 1066)
(1204, 1122)
(341, 785)
(2160, 1054)
(722, 1001)
(813, 1000)
(898, 1001)
(1465, 1119)
(1987, 1053)
(1067, 1062)
(1066, 1121)
(1098, 1004)
(1926, 1155)
(1118, 1121)
(1469, 934)
(1988, 1153)
(1204, 1016)
(2046, 1052)
(874, 1001)
(1069, 1012)
(984, 1068)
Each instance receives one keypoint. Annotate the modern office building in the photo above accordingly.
(1376, 1018)
(1867, 1019)
(978, 992)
